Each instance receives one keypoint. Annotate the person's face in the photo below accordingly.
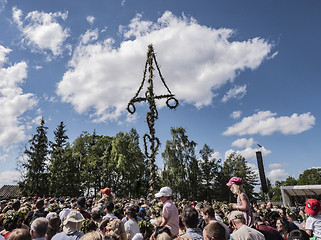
(205, 217)
(279, 225)
(163, 199)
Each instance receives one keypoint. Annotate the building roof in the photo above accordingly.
(299, 190)
(9, 192)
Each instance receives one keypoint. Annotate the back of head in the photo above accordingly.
(109, 206)
(214, 230)
(163, 236)
(190, 217)
(39, 227)
(298, 235)
(20, 234)
(39, 204)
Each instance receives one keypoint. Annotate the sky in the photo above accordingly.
(244, 72)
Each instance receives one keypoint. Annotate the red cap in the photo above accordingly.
(235, 180)
(105, 191)
(312, 207)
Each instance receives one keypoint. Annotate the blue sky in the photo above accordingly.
(245, 72)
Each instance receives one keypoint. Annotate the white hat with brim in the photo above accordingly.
(164, 192)
(74, 216)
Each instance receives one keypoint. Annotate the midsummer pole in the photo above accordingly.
(152, 114)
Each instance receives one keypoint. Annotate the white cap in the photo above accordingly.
(164, 191)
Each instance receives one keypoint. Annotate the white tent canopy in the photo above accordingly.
(308, 191)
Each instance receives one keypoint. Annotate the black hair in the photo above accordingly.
(190, 217)
(161, 229)
(109, 206)
(298, 235)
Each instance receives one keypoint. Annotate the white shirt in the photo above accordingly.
(314, 223)
(131, 227)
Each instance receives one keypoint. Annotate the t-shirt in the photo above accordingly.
(314, 223)
(170, 213)
(131, 227)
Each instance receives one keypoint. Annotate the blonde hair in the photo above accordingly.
(237, 189)
(163, 236)
(92, 236)
(116, 227)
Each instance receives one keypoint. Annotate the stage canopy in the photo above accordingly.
(306, 191)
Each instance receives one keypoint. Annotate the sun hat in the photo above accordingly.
(73, 222)
(164, 192)
(236, 215)
(105, 191)
(235, 180)
(312, 207)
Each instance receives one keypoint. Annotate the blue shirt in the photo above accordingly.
(194, 233)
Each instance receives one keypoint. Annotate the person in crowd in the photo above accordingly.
(39, 211)
(53, 227)
(243, 203)
(116, 229)
(190, 219)
(161, 232)
(39, 228)
(208, 215)
(71, 226)
(282, 225)
(20, 234)
(270, 233)
(313, 222)
(109, 207)
(3, 205)
(298, 235)
(131, 226)
(170, 212)
(241, 230)
(214, 231)
(81, 207)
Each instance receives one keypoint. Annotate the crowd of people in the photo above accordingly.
(162, 218)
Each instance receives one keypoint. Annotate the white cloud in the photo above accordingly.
(37, 67)
(277, 175)
(265, 123)
(249, 153)
(41, 30)
(13, 102)
(91, 19)
(216, 155)
(237, 92)
(9, 177)
(243, 142)
(236, 114)
(89, 36)
(211, 61)
(275, 165)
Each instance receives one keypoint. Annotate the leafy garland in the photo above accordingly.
(11, 217)
(145, 224)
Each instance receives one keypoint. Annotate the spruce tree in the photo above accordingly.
(57, 165)
(35, 176)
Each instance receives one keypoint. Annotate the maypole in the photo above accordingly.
(152, 115)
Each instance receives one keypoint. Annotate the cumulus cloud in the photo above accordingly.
(237, 92)
(91, 19)
(243, 142)
(275, 165)
(277, 175)
(196, 60)
(265, 123)
(9, 177)
(236, 114)
(41, 30)
(216, 155)
(249, 153)
(13, 102)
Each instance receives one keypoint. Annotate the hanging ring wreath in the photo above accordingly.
(173, 106)
(131, 108)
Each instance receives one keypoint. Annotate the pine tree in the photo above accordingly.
(210, 168)
(57, 163)
(35, 176)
